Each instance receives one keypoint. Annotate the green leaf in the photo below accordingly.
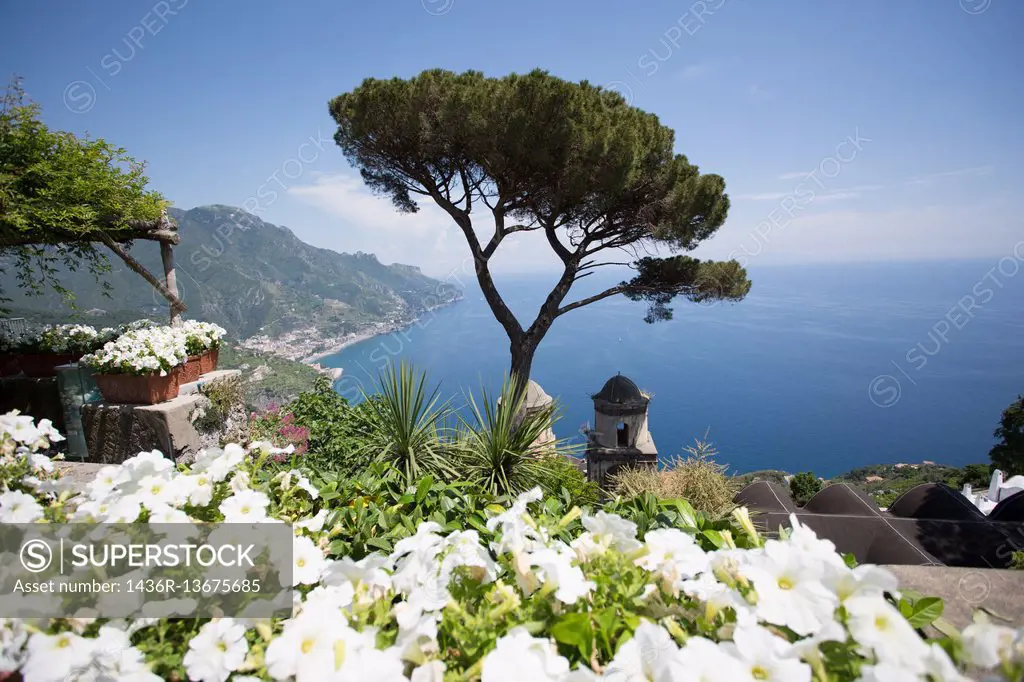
(576, 630)
(423, 489)
(923, 611)
(329, 495)
(379, 543)
(715, 538)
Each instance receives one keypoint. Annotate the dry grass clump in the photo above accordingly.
(695, 477)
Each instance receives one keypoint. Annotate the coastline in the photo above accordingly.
(342, 345)
(358, 337)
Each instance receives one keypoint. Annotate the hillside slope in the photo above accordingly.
(254, 277)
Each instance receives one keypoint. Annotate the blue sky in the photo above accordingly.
(908, 113)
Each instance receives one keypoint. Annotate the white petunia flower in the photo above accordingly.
(313, 523)
(414, 559)
(52, 658)
(167, 514)
(196, 488)
(789, 589)
(558, 571)
(303, 483)
(519, 656)
(317, 644)
(124, 510)
(878, 626)
(146, 464)
(715, 595)
(938, 664)
(220, 463)
(863, 581)
(156, 491)
(987, 645)
(247, 506)
(107, 480)
(308, 562)
(887, 672)
(463, 548)
(516, 533)
(701, 660)
(368, 576)
(674, 555)
(807, 542)
(605, 531)
(114, 658)
(336, 597)
(218, 650)
(766, 656)
(643, 658)
(19, 507)
(432, 671)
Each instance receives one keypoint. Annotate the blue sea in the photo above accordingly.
(821, 368)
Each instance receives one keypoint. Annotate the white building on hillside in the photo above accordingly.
(998, 490)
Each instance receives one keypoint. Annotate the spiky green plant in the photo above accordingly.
(405, 423)
(500, 445)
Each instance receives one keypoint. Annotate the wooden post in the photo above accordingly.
(171, 279)
(177, 307)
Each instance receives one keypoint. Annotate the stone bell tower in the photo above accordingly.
(620, 437)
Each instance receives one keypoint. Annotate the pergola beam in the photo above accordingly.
(168, 291)
(159, 230)
(162, 230)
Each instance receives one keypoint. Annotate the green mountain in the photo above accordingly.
(251, 277)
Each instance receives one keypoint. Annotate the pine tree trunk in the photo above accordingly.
(522, 359)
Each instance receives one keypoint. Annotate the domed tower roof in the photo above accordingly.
(620, 395)
(619, 389)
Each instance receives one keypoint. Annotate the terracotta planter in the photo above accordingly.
(9, 365)
(208, 361)
(149, 389)
(191, 370)
(44, 364)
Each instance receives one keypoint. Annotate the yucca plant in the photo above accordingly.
(500, 444)
(404, 425)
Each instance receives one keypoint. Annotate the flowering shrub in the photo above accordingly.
(143, 351)
(143, 323)
(520, 596)
(201, 336)
(11, 342)
(73, 338)
(25, 472)
(63, 339)
(279, 429)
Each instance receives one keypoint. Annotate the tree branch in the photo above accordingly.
(618, 289)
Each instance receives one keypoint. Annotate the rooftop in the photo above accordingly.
(620, 390)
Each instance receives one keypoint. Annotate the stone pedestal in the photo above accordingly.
(113, 432)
